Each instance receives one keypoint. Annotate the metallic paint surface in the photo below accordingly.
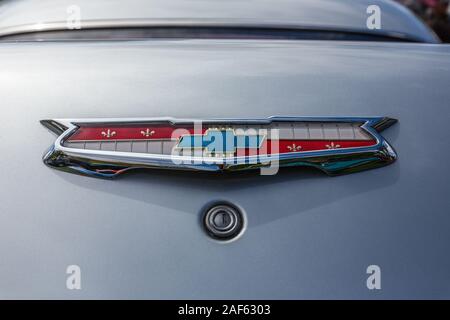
(307, 235)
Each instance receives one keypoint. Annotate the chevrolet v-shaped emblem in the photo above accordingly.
(108, 147)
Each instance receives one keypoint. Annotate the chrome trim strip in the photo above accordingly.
(216, 23)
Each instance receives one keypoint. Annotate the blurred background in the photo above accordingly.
(435, 13)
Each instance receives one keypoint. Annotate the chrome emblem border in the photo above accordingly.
(107, 164)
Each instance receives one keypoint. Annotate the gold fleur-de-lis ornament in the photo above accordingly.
(332, 146)
(294, 148)
(108, 133)
(147, 133)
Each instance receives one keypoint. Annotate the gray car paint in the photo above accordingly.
(308, 235)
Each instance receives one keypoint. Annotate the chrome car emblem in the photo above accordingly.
(230, 141)
(108, 147)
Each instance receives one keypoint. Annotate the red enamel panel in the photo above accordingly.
(105, 133)
(288, 146)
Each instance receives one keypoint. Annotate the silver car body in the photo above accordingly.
(307, 235)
